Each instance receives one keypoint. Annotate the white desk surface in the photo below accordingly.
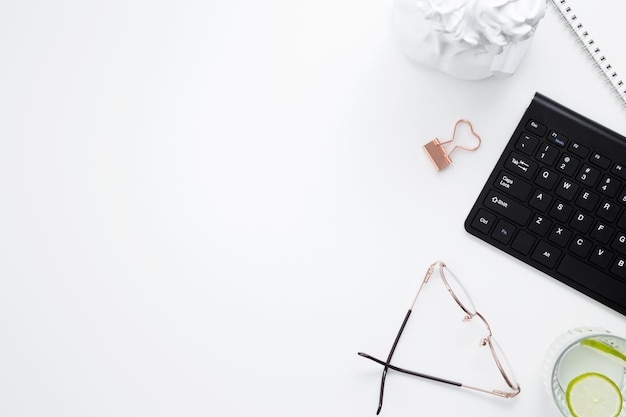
(208, 208)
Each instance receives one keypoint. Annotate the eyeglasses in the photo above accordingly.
(463, 300)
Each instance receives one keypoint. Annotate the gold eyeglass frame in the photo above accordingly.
(469, 314)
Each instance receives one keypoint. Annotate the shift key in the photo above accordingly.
(506, 206)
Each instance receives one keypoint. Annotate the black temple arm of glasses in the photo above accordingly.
(391, 352)
(406, 371)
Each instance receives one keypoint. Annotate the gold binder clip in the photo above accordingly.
(438, 154)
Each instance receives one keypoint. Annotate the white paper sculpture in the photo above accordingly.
(468, 39)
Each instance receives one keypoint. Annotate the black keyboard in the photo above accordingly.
(556, 200)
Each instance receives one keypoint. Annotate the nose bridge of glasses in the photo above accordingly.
(477, 314)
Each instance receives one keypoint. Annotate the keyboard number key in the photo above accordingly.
(609, 186)
(588, 175)
(547, 154)
(567, 165)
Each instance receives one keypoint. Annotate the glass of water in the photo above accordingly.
(578, 354)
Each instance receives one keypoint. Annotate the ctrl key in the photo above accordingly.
(483, 222)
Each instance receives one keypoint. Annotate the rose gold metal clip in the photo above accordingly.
(438, 154)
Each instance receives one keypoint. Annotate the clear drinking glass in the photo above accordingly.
(569, 357)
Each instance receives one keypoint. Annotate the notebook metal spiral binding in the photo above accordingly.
(592, 49)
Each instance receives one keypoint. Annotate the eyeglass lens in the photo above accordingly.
(504, 363)
(458, 291)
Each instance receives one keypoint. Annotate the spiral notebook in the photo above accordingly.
(593, 25)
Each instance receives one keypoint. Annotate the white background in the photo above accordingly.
(208, 208)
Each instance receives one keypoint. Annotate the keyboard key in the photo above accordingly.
(560, 235)
(546, 254)
(566, 189)
(619, 267)
(581, 246)
(619, 170)
(608, 210)
(581, 222)
(602, 232)
(601, 257)
(622, 196)
(619, 244)
(567, 165)
(589, 175)
(540, 200)
(527, 144)
(540, 225)
(523, 242)
(536, 127)
(503, 231)
(547, 154)
(578, 149)
(546, 179)
(521, 165)
(483, 222)
(595, 280)
(557, 138)
(587, 200)
(561, 211)
(599, 160)
(512, 185)
(507, 207)
(609, 186)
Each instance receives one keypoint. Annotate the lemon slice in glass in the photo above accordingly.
(605, 350)
(593, 395)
